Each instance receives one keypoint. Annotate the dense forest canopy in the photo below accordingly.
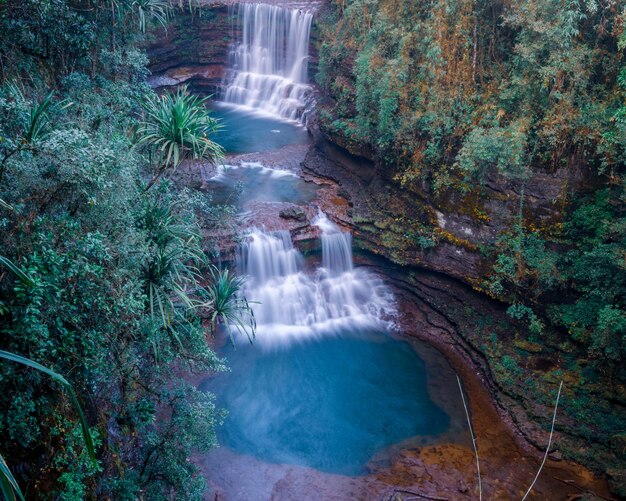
(104, 273)
(104, 276)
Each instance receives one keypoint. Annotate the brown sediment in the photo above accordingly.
(508, 462)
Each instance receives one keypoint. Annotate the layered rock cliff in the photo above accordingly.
(457, 157)
(194, 50)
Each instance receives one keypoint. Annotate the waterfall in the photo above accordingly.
(291, 304)
(336, 246)
(269, 63)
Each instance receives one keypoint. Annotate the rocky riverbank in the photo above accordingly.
(520, 377)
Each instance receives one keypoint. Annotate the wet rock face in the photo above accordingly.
(194, 50)
(444, 233)
(294, 213)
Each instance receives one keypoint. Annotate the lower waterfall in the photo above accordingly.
(291, 303)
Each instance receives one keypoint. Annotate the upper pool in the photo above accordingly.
(248, 131)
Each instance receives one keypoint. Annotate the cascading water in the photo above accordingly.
(270, 61)
(336, 247)
(323, 385)
(293, 304)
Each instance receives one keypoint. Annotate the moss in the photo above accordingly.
(457, 241)
(359, 219)
(527, 346)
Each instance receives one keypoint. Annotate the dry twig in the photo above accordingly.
(469, 423)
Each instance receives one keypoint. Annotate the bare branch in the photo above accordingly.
(469, 423)
(545, 456)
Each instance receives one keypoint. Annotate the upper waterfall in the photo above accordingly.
(269, 62)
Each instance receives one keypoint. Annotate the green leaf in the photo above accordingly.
(61, 380)
(8, 484)
(18, 272)
(6, 205)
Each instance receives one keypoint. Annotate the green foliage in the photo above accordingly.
(66, 385)
(76, 465)
(8, 484)
(191, 428)
(17, 271)
(171, 272)
(523, 263)
(499, 148)
(595, 270)
(99, 281)
(224, 300)
(579, 287)
(468, 88)
(176, 128)
(32, 123)
(465, 103)
(520, 311)
(158, 10)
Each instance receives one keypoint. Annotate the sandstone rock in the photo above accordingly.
(194, 50)
(556, 456)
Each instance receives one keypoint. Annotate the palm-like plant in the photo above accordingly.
(173, 281)
(159, 10)
(226, 304)
(34, 129)
(171, 273)
(141, 11)
(176, 127)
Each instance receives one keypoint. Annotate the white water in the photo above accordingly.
(222, 171)
(294, 304)
(336, 247)
(270, 61)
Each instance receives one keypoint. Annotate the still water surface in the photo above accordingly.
(328, 403)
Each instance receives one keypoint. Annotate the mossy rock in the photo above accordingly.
(617, 481)
(295, 213)
(528, 346)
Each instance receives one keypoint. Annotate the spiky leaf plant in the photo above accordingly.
(226, 304)
(177, 126)
(34, 128)
(171, 274)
